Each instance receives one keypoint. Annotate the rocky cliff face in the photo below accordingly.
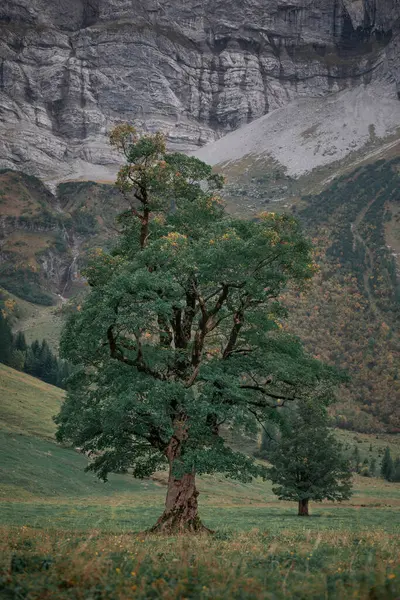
(69, 69)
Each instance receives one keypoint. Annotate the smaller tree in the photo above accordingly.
(372, 467)
(387, 466)
(307, 461)
(17, 360)
(6, 339)
(20, 342)
(396, 470)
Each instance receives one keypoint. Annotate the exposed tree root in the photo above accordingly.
(174, 522)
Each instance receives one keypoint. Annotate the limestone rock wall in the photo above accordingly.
(69, 69)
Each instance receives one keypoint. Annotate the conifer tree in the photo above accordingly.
(20, 342)
(35, 346)
(6, 340)
(372, 467)
(396, 470)
(47, 364)
(30, 362)
(307, 461)
(387, 465)
(180, 331)
(17, 360)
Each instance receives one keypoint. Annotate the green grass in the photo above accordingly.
(35, 321)
(44, 472)
(27, 404)
(65, 534)
(127, 517)
(32, 464)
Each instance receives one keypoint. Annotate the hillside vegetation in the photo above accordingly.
(349, 317)
(45, 237)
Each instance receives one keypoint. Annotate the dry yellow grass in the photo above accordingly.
(252, 565)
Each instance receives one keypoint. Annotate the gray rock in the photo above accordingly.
(70, 69)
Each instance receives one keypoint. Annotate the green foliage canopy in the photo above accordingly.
(307, 461)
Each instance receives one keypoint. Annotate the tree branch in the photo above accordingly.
(189, 314)
(260, 422)
(221, 299)
(238, 321)
(266, 392)
(138, 362)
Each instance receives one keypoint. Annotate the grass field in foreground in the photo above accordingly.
(64, 534)
(259, 564)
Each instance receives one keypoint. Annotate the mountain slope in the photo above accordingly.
(351, 316)
(312, 139)
(45, 237)
(32, 464)
(28, 404)
(71, 69)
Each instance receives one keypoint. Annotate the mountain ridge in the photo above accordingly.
(70, 69)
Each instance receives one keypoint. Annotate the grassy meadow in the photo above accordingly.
(65, 534)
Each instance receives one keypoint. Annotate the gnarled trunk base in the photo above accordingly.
(181, 510)
(303, 508)
(175, 523)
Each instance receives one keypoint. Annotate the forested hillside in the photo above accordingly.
(45, 237)
(351, 315)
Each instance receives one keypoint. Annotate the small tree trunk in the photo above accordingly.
(303, 508)
(181, 508)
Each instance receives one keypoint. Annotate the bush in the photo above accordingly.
(365, 472)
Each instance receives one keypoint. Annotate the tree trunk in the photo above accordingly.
(303, 508)
(181, 508)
